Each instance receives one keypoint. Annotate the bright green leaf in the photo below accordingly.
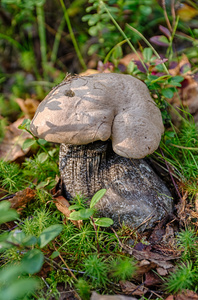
(19, 288)
(131, 67)
(147, 54)
(82, 214)
(97, 197)
(16, 236)
(54, 254)
(29, 241)
(75, 206)
(43, 184)
(167, 93)
(117, 53)
(48, 234)
(41, 142)
(32, 261)
(8, 273)
(5, 246)
(8, 216)
(28, 143)
(25, 124)
(4, 205)
(103, 222)
(42, 157)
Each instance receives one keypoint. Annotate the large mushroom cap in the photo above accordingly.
(98, 107)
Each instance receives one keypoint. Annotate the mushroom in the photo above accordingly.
(101, 121)
(86, 109)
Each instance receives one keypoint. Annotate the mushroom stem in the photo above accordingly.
(83, 168)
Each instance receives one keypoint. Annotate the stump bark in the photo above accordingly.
(135, 194)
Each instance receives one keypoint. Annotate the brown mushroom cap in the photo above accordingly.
(98, 107)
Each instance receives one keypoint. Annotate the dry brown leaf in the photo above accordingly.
(176, 71)
(89, 72)
(144, 266)
(162, 271)
(21, 198)
(130, 288)
(63, 206)
(11, 146)
(188, 93)
(181, 209)
(186, 295)
(196, 203)
(159, 259)
(170, 297)
(130, 57)
(28, 106)
(152, 279)
(96, 296)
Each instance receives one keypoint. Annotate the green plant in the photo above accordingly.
(123, 268)
(180, 149)
(185, 277)
(99, 21)
(96, 269)
(3, 123)
(86, 213)
(187, 241)
(11, 177)
(83, 289)
(16, 277)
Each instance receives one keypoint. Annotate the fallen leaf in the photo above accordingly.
(152, 279)
(188, 93)
(130, 288)
(89, 72)
(11, 146)
(130, 57)
(63, 206)
(161, 260)
(21, 198)
(158, 259)
(181, 209)
(144, 266)
(96, 296)
(186, 295)
(162, 271)
(170, 297)
(28, 106)
(186, 12)
(196, 202)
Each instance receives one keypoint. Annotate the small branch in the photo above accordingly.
(166, 16)
(70, 271)
(170, 173)
(95, 228)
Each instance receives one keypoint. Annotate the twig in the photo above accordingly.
(173, 11)
(166, 16)
(70, 271)
(94, 225)
(52, 262)
(170, 173)
(127, 248)
(8, 197)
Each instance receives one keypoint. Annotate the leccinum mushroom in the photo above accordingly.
(89, 116)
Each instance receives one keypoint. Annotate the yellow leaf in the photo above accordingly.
(186, 12)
